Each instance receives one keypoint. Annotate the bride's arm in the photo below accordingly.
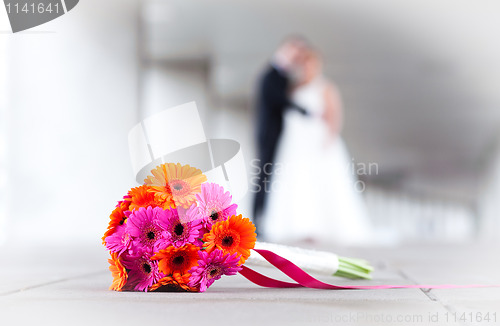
(333, 109)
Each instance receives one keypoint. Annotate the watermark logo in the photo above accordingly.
(266, 176)
(26, 14)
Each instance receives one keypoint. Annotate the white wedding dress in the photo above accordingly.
(313, 194)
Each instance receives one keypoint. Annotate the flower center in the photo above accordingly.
(179, 187)
(146, 267)
(179, 260)
(227, 241)
(179, 229)
(214, 272)
(151, 235)
(214, 216)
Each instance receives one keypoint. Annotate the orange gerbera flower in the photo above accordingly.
(182, 182)
(144, 196)
(236, 234)
(118, 271)
(180, 260)
(117, 218)
(124, 204)
(174, 283)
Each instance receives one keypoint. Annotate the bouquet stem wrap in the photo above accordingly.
(314, 261)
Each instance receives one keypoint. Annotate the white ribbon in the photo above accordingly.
(312, 261)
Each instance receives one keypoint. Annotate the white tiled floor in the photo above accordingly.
(69, 286)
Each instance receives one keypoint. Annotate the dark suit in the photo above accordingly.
(272, 102)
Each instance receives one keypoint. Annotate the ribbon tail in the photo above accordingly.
(306, 280)
(265, 281)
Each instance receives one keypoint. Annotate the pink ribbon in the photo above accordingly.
(305, 280)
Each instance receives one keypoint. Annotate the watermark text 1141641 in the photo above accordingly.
(26, 14)
(33, 8)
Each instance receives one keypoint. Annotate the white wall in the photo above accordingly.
(3, 124)
(489, 198)
(72, 90)
(167, 85)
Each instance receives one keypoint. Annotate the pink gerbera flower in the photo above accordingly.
(178, 230)
(124, 202)
(142, 271)
(211, 267)
(146, 230)
(119, 241)
(214, 205)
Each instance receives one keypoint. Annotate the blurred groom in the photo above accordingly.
(272, 102)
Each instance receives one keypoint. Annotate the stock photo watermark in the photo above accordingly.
(266, 176)
(26, 14)
(439, 318)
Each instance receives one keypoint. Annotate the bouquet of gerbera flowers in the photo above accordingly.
(177, 232)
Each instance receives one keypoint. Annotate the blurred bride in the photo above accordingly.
(313, 195)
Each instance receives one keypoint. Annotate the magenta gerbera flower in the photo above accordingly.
(211, 267)
(142, 271)
(146, 230)
(126, 199)
(179, 231)
(214, 205)
(119, 241)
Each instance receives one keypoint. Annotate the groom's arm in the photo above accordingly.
(276, 94)
(294, 106)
